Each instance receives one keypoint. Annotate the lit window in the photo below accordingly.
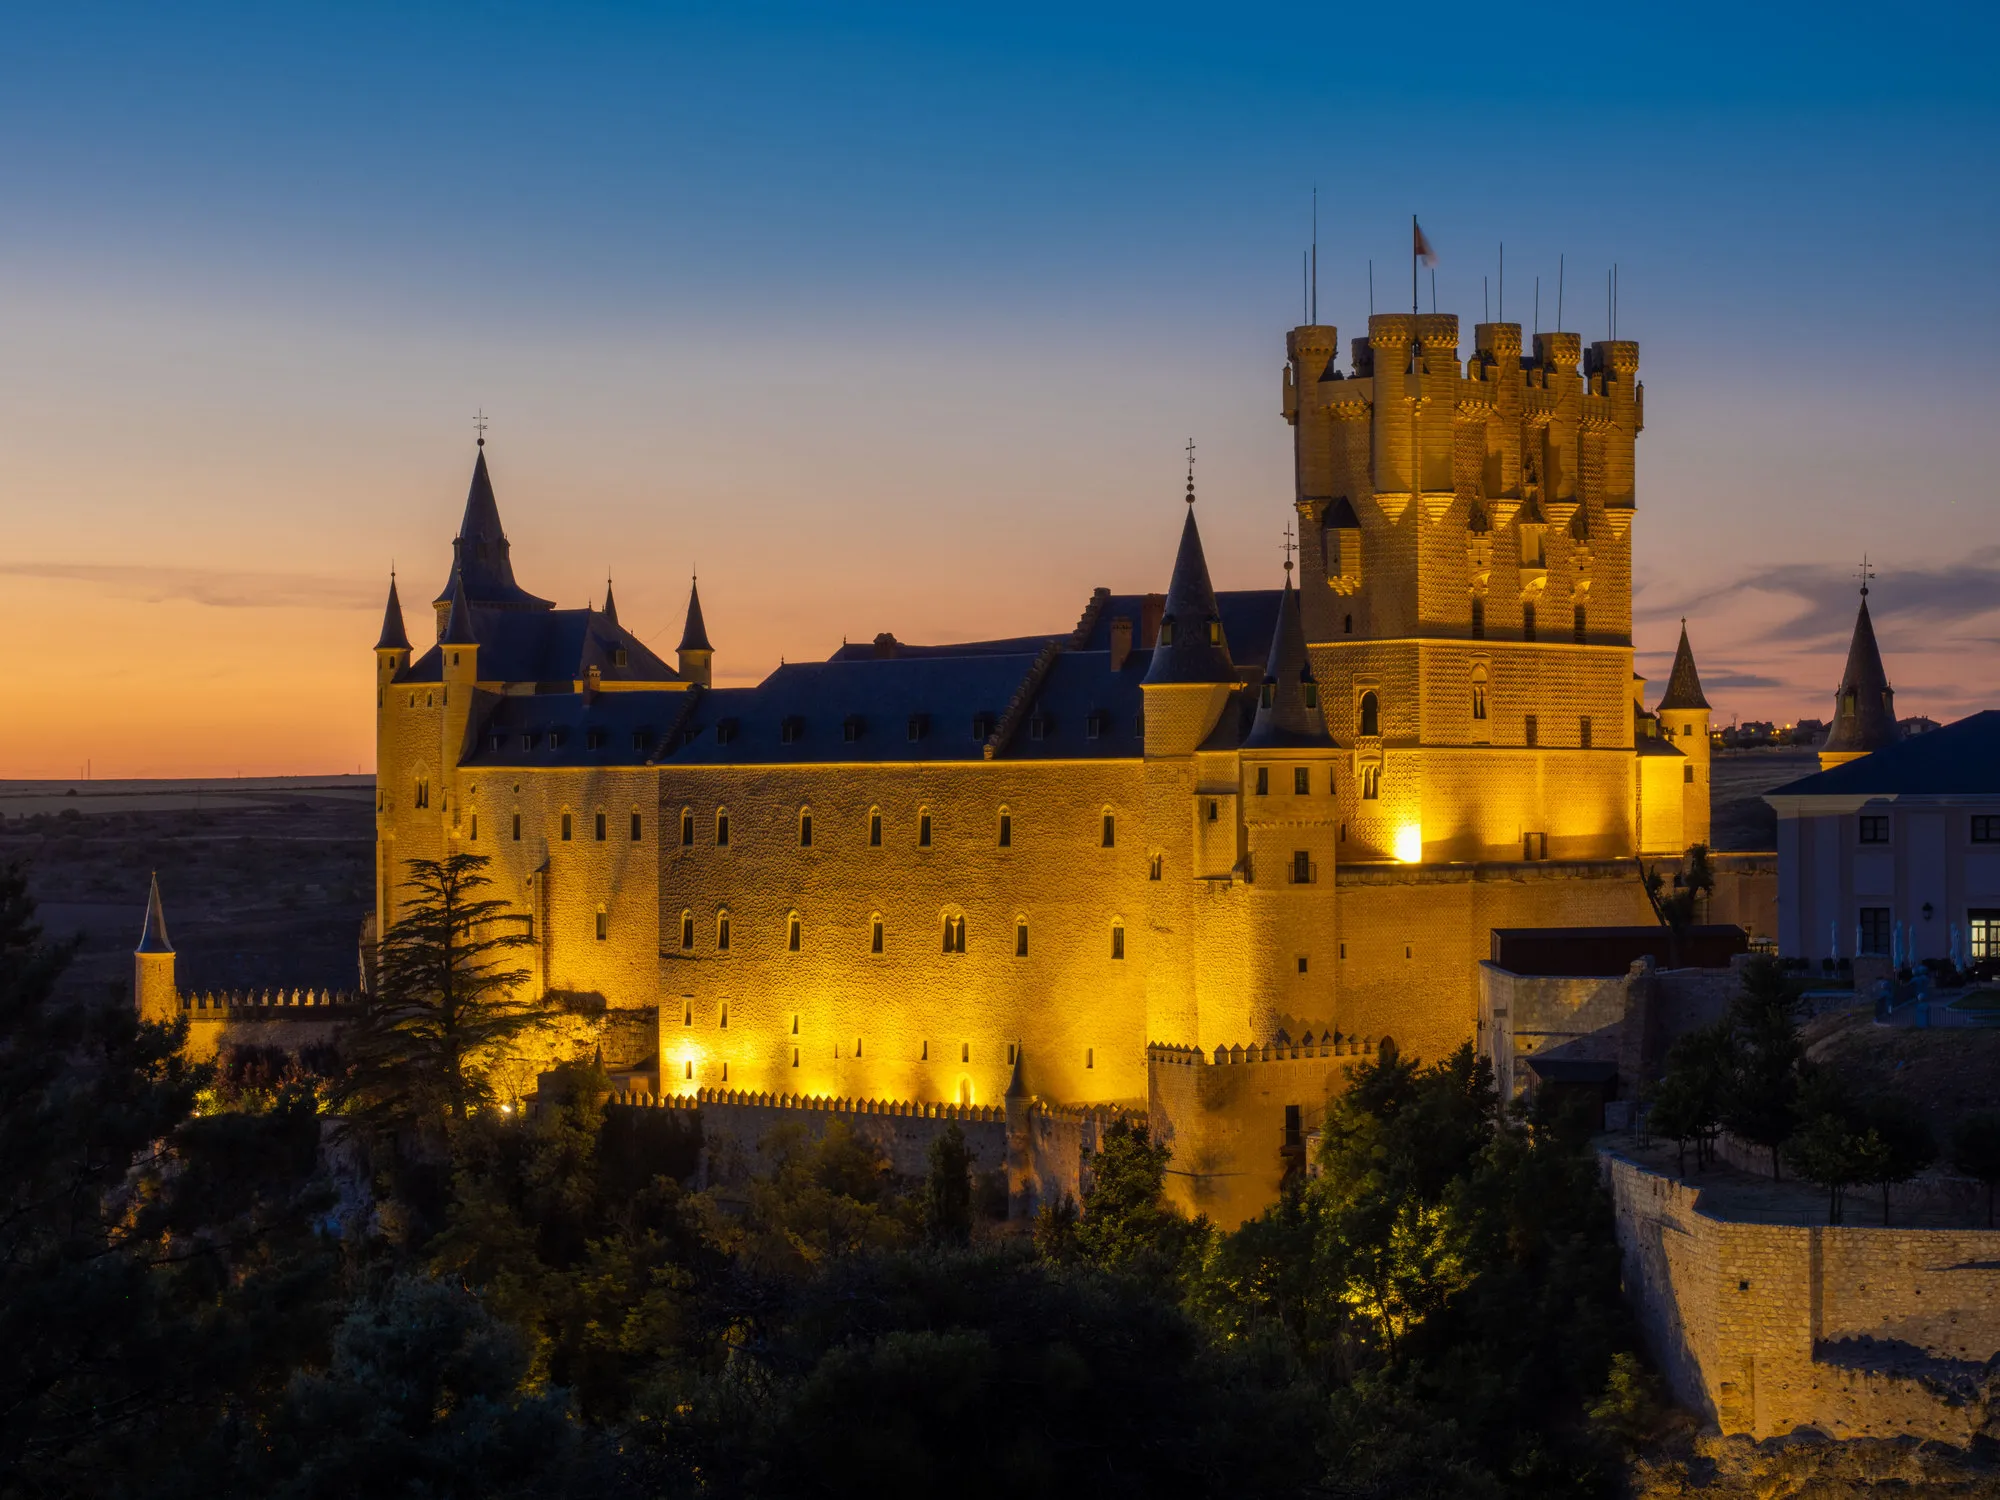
(1301, 781)
(1215, 632)
(1983, 932)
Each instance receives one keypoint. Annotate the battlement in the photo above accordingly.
(274, 1005)
(1327, 1044)
(817, 1103)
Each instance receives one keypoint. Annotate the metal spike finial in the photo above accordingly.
(1289, 546)
(479, 425)
(1865, 572)
(1190, 481)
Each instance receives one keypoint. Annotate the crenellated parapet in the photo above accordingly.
(273, 1004)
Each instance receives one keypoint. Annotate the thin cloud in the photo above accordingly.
(1739, 680)
(1932, 600)
(219, 588)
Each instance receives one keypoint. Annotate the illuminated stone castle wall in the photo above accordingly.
(1233, 819)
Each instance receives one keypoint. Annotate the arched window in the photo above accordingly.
(565, 826)
(722, 931)
(721, 827)
(1479, 692)
(792, 933)
(805, 827)
(954, 932)
(517, 828)
(923, 828)
(1154, 867)
(1371, 782)
(687, 930)
(1110, 829)
(1006, 829)
(601, 924)
(1371, 714)
(875, 828)
(1020, 937)
(423, 791)
(1117, 939)
(875, 932)
(600, 825)
(687, 827)
(475, 828)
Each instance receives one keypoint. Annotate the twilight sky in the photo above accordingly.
(897, 318)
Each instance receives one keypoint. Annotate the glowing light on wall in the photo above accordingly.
(1410, 843)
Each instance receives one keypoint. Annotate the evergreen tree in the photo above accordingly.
(1688, 1101)
(1834, 1147)
(1907, 1143)
(445, 1005)
(1975, 1151)
(1127, 1226)
(1762, 1101)
(948, 1188)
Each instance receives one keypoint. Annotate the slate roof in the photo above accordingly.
(153, 936)
(1287, 722)
(480, 551)
(555, 647)
(1961, 759)
(694, 634)
(1189, 656)
(394, 637)
(1864, 716)
(1683, 683)
(575, 729)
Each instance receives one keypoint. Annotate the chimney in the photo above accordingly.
(1121, 641)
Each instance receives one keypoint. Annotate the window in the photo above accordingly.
(1006, 829)
(965, 1052)
(1110, 830)
(725, 731)
(517, 828)
(618, 657)
(1986, 830)
(721, 827)
(1039, 725)
(423, 791)
(557, 739)
(1479, 619)
(851, 728)
(722, 1021)
(722, 932)
(1094, 723)
(1534, 846)
(1874, 828)
(1582, 626)
(1347, 624)
(1527, 622)
(639, 740)
(1214, 809)
(687, 929)
(1983, 933)
(1687, 775)
(1265, 694)
(1531, 729)
(875, 933)
(1302, 963)
(1533, 553)
(1312, 693)
(638, 828)
(923, 828)
(789, 731)
(1371, 782)
(1166, 632)
(1090, 1057)
(565, 828)
(875, 828)
(1215, 632)
(600, 924)
(593, 739)
(600, 827)
(1478, 694)
(954, 933)
(1263, 781)
(805, 828)
(1020, 937)
(1301, 781)
(1153, 866)
(1302, 867)
(687, 828)
(1117, 940)
(475, 828)
(919, 726)
(982, 726)
(792, 933)
(1874, 929)
(1371, 714)
(1583, 732)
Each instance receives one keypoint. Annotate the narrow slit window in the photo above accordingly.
(475, 828)
(601, 924)
(1117, 939)
(1263, 781)
(1006, 829)
(806, 829)
(565, 828)
(1582, 626)
(722, 932)
(875, 934)
(517, 828)
(722, 828)
(638, 827)
(924, 829)
(1527, 622)
(875, 828)
(1110, 831)
(600, 829)
(792, 933)
(687, 828)
(687, 929)
(1021, 937)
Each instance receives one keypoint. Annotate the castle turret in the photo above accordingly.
(155, 994)
(1683, 714)
(460, 647)
(1191, 674)
(696, 654)
(610, 610)
(480, 554)
(1864, 710)
(392, 647)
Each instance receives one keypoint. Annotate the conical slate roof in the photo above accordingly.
(1284, 719)
(694, 635)
(458, 624)
(480, 552)
(1864, 710)
(153, 938)
(1017, 1086)
(394, 637)
(1683, 683)
(610, 610)
(1184, 652)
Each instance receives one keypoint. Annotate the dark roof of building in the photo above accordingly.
(1288, 721)
(1683, 683)
(610, 610)
(458, 627)
(555, 647)
(1961, 759)
(885, 647)
(1575, 1070)
(575, 729)
(1864, 716)
(480, 551)
(694, 634)
(1186, 653)
(812, 713)
(394, 637)
(153, 936)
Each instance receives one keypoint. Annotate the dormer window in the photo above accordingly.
(725, 731)
(1094, 725)
(499, 741)
(1312, 693)
(790, 730)
(920, 725)
(851, 728)
(527, 742)
(593, 739)
(618, 657)
(1215, 632)
(982, 726)
(1266, 693)
(1039, 725)
(1166, 632)
(639, 740)
(556, 739)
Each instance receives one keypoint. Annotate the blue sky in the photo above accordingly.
(897, 318)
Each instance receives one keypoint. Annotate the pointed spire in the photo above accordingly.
(480, 552)
(610, 610)
(458, 623)
(153, 939)
(394, 637)
(1683, 683)
(1288, 704)
(1864, 710)
(694, 636)
(1190, 647)
(1017, 1086)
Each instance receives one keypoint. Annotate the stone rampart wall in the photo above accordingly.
(1765, 1328)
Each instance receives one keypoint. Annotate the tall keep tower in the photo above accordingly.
(1466, 584)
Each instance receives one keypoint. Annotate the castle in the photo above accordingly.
(1096, 865)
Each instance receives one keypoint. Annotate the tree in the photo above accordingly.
(1761, 1104)
(1835, 1147)
(445, 1005)
(1127, 1226)
(1687, 1105)
(948, 1188)
(1907, 1143)
(1678, 906)
(1975, 1151)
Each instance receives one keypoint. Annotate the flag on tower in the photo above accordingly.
(1422, 247)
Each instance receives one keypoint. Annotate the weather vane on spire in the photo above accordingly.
(1289, 545)
(479, 425)
(1190, 456)
(1865, 572)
